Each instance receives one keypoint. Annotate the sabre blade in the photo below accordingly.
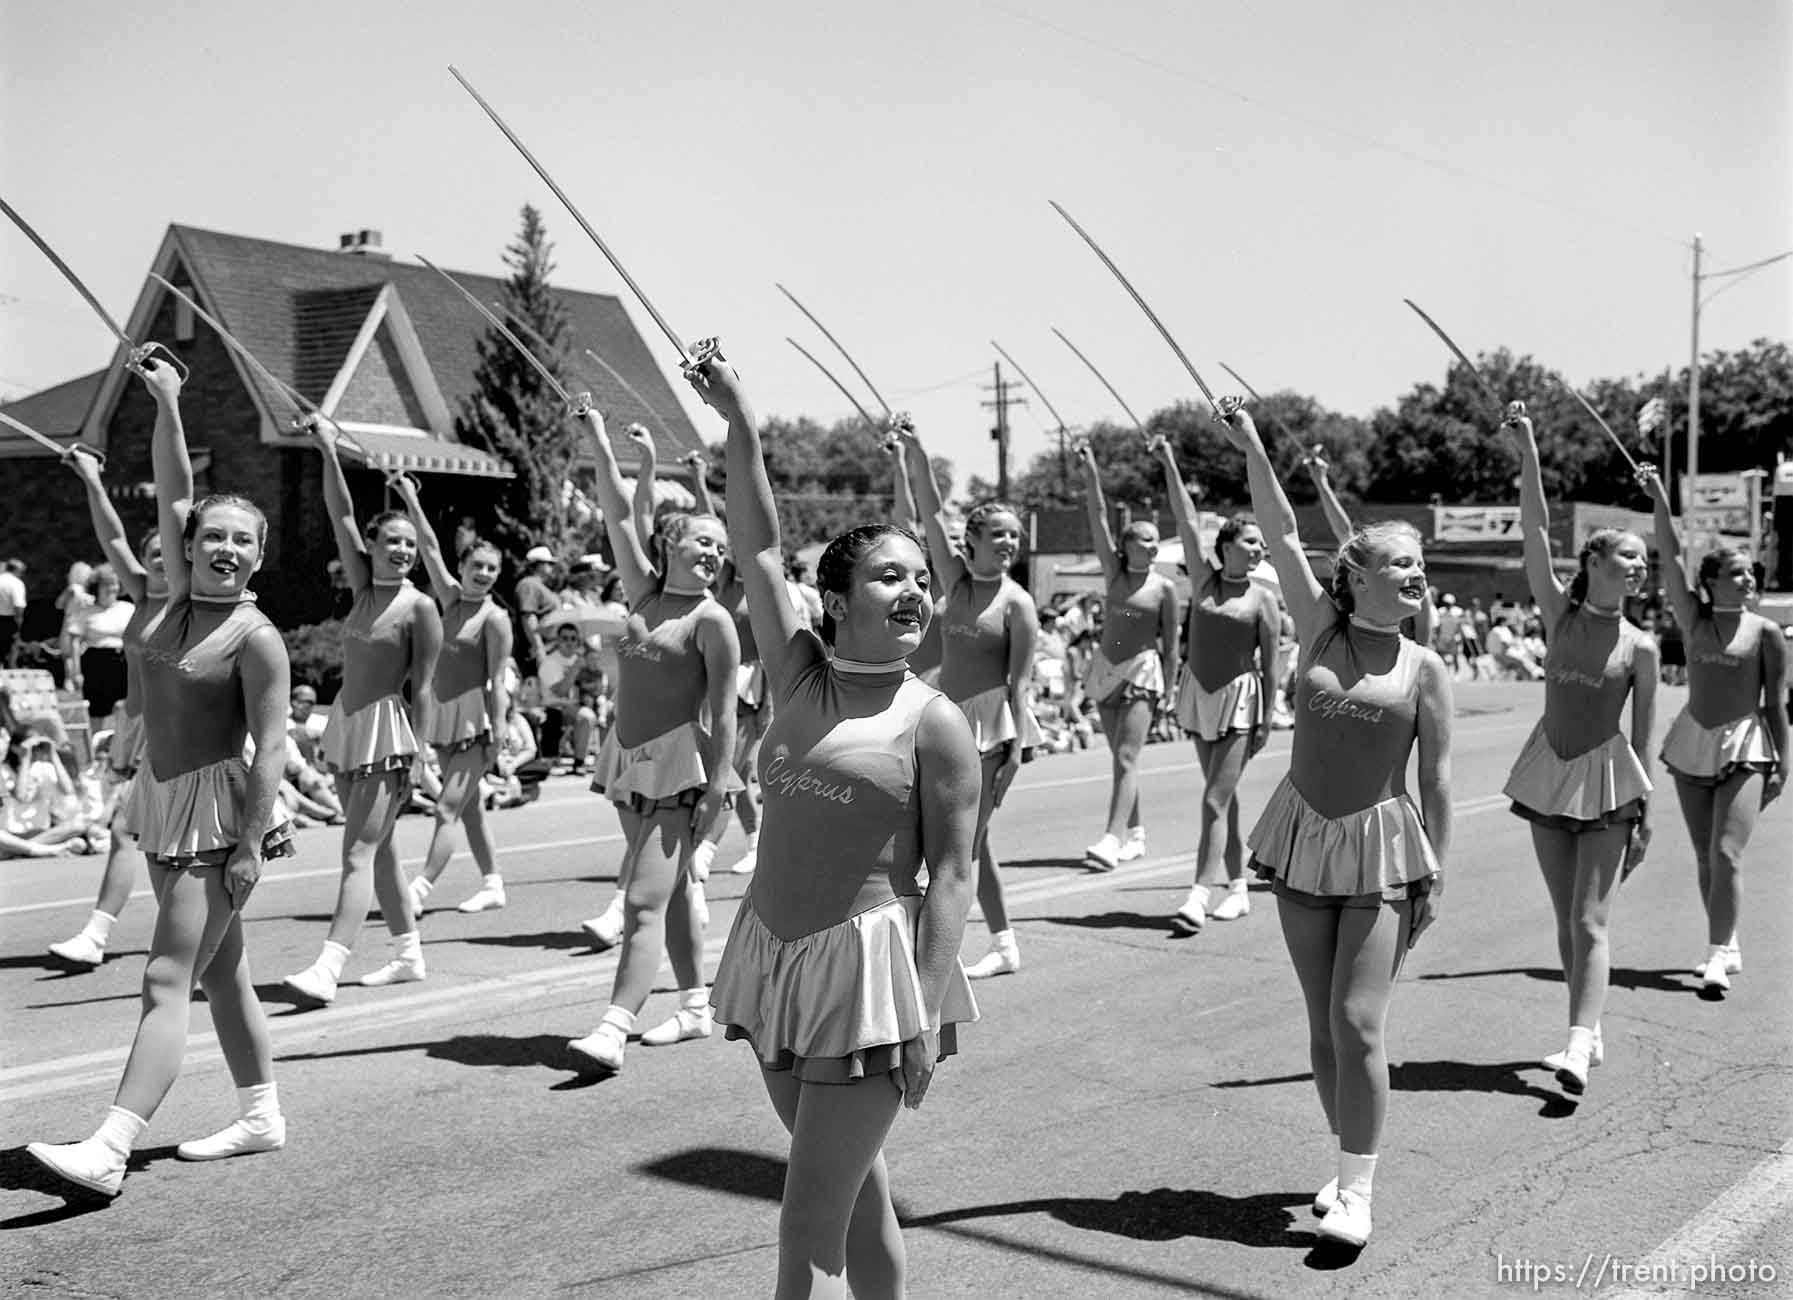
(41, 439)
(1030, 383)
(844, 390)
(67, 274)
(584, 225)
(1113, 392)
(1459, 353)
(517, 343)
(1241, 378)
(837, 347)
(1589, 408)
(1128, 286)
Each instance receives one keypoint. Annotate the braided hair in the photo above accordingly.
(1602, 542)
(1357, 552)
(1712, 564)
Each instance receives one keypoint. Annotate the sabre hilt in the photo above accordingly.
(145, 351)
(1515, 413)
(83, 449)
(703, 352)
(901, 422)
(580, 406)
(1229, 405)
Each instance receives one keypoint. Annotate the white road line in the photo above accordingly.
(290, 1032)
(1714, 1237)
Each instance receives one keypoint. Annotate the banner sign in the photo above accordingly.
(1475, 523)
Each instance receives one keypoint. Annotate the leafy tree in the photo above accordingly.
(514, 414)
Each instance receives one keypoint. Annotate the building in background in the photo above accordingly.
(385, 348)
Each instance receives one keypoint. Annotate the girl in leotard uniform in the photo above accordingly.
(1226, 689)
(390, 641)
(988, 627)
(146, 583)
(1578, 780)
(1355, 866)
(1128, 672)
(1727, 749)
(471, 703)
(840, 971)
(670, 778)
(214, 675)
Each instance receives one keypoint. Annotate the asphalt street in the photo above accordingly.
(1132, 1116)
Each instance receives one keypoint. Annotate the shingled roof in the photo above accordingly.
(300, 311)
(57, 411)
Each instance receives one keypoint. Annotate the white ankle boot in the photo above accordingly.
(692, 1020)
(1004, 957)
(604, 1045)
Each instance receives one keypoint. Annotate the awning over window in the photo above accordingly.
(418, 454)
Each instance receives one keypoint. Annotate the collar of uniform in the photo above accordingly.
(672, 590)
(1364, 625)
(860, 667)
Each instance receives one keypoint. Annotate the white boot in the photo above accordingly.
(1004, 957)
(691, 1021)
(89, 947)
(419, 890)
(317, 982)
(406, 965)
(1133, 847)
(1193, 915)
(604, 1045)
(1348, 1220)
(490, 896)
(98, 1162)
(606, 928)
(259, 1126)
(749, 860)
(1236, 904)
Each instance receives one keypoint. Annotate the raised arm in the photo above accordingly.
(1668, 549)
(1101, 537)
(1182, 505)
(173, 472)
(350, 549)
(946, 561)
(631, 560)
(447, 587)
(902, 498)
(700, 482)
(641, 508)
(1337, 518)
(108, 529)
(753, 533)
(1309, 605)
(1534, 520)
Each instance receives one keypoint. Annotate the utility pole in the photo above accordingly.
(1004, 398)
(1693, 410)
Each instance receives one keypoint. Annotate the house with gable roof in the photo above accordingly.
(385, 348)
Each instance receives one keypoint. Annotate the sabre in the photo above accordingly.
(1241, 378)
(844, 390)
(1128, 286)
(1099, 375)
(1030, 383)
(1589, 408)
(585, 225)
(576, 406)
(535, 337)
(838, 348)
(137, 353)
(299, 402)
(63, 452)
(1458, 352)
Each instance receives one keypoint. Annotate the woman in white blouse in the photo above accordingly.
(93, 645)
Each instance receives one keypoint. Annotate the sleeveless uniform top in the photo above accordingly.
(974, 638)
(193, 710)
(1130, 624)
(461, 667)
(1223, 630)
(840, 826)
(141, 618)
(376, 643)
(1356, 711)
(660, 667)
(1724, 676)
(1588, 670)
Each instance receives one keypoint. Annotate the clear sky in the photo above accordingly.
(1274, 176)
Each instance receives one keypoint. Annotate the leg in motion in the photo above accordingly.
(1004, 956)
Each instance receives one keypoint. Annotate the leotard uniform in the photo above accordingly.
(1721, 730)
(1219, 693)
(820, 973)
(125, 755)
(1341, 824)
(1577, 771)
(370, 730)
(653, 754)
(974, 666)
(463, 716)
(1126, 664)
(187, 802)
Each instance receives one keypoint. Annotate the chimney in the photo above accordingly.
(361, 243)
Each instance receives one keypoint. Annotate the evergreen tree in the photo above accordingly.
(512, 411)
